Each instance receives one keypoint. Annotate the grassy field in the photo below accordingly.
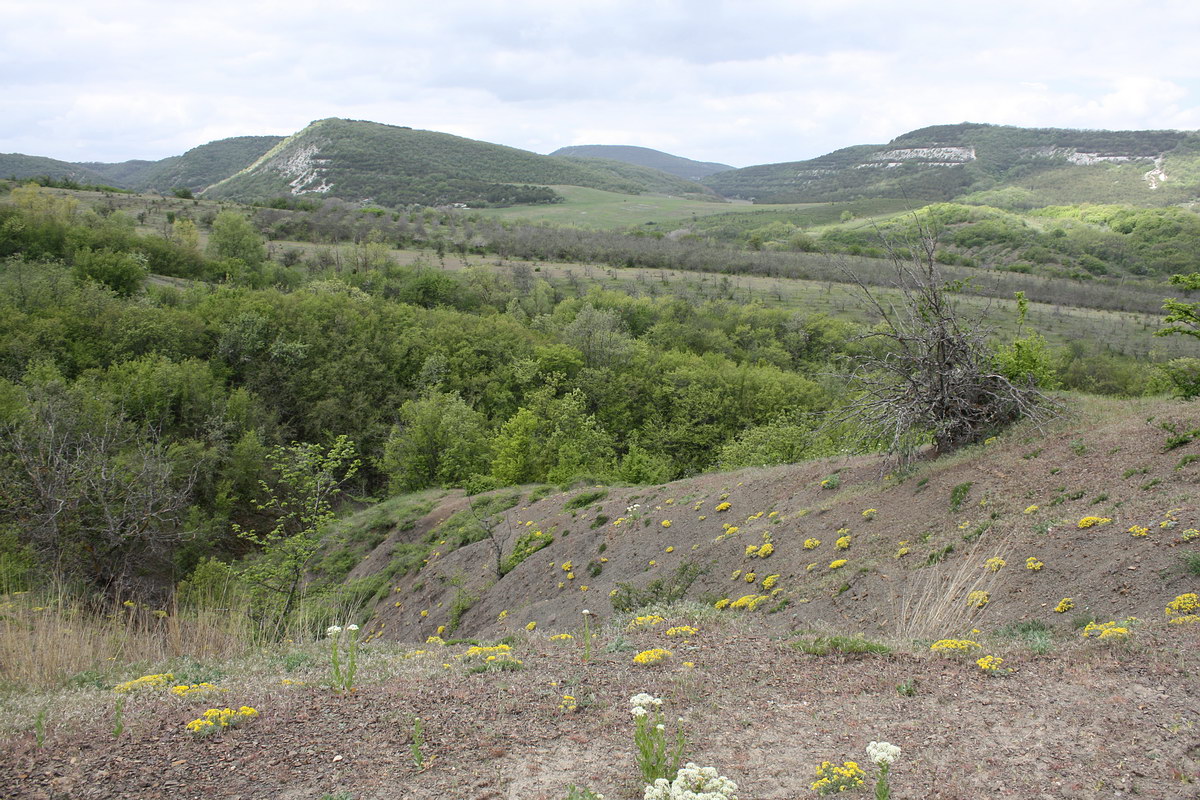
(593, 208)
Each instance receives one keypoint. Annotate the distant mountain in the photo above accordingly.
(645, 157)
(1040, 166)
(393, 165)
(196, 169)
(18, 165)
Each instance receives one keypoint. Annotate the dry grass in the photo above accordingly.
(48, 638)
(934, 605)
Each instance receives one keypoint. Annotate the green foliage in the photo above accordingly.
(234, 238)
(121, 272)
(586, 499)
(781, 442)
(459, 605)
(939, 555)
(581, 793)
(526, 545)
(841, 645)
(1028, 361)
(958, 494)
(308, 478)
(440, 440)
(552, 440)
(660, 591)
(641, 467)
(18, 563)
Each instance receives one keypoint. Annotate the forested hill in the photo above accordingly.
(195, 170)
(395, 166)
(19, 165)
(1047, 165)
(645, 157)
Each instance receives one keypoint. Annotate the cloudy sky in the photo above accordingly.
(741, 82)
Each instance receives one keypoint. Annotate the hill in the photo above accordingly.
(645, 157)
(196, 169)
(1048, 165)
(18, 165)
(393, 166)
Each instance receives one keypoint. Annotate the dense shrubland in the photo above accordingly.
(167, 413)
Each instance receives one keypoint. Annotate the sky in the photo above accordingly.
(741, 83)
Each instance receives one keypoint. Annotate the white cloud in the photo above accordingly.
(741, 82)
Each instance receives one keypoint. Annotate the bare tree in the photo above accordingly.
(92, 493)
(927, 372)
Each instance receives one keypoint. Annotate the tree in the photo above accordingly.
(308, 478)
(440, 440)
(930, 375)
(1183, 318)
(234, 237)
(91, 493)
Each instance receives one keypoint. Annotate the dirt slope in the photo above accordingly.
(1104, 460)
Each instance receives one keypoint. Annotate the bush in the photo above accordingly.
(661, 591)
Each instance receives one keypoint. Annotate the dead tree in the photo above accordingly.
(927, 373)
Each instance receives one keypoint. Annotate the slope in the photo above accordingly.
(19, 165)
(645, 157)
(946, 161)
(201, 166)
(391, 165)
(906, 567)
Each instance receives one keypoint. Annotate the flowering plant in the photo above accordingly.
(216, 719)
(343, 677)
(693, 783)
(832, 779)
(882, 754)
(655, 759)
(652, 656)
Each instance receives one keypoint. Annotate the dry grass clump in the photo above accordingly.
(934, 602)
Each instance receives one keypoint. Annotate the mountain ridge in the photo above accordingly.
(645, 157)
(942, 162)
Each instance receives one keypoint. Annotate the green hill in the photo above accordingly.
(1038, 166)
(645, 157)
(196, 169)
(391, 165)
(19, 165)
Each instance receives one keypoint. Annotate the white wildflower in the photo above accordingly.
(882, 752)
(351, 627)
(693, 783)
(333, 630)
